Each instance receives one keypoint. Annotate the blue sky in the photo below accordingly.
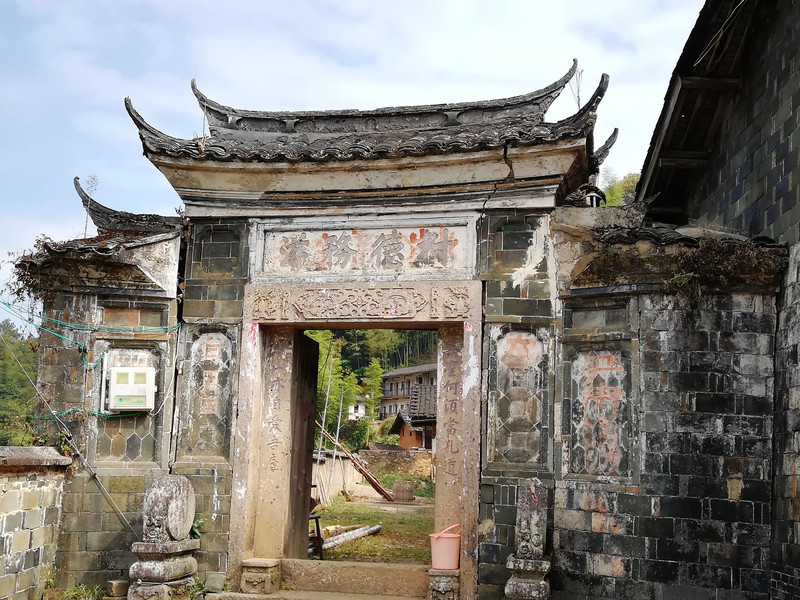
(67, 65)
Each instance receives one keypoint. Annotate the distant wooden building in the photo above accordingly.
(397, 386)
(417, 426)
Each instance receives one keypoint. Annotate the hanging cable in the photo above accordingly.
(715, 38)
(67, 436)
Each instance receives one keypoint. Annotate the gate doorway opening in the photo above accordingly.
(376, 399)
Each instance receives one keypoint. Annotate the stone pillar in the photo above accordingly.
(273, 494)
(166, 567)
(449, 437)
(527, 564)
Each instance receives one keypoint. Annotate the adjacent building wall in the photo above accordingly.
(31, 484)
(753, 186)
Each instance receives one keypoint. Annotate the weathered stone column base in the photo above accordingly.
(527, 581)
(163, 571)
(172, 590)
(261, 575)
(444, 584)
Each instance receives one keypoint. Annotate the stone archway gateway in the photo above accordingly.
(403, 217)
(427, 217)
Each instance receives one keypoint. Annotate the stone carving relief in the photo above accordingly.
(518, 398)
(165, 560)
(205, 410)
(600, 419)
(299, 303)
(527, 564)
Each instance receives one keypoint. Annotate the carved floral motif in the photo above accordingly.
(342, 303)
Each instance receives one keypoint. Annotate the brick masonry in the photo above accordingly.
(31, 482)
(683, 505)
(753, 186)
(753, 180)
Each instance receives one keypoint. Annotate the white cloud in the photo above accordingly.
(62, 98)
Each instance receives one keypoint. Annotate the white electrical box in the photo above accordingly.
(131, 388)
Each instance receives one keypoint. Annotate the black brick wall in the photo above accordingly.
(753, 186)
(692, 518)
(753, 180)
(216, 271)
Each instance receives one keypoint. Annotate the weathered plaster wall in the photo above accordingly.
(31, 483)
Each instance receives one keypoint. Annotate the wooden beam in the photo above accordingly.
(683, 163)
(713, 84)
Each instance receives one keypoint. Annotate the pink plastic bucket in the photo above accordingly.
(445, 548)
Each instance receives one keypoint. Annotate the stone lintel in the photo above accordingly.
(351, 303)
(31, 456)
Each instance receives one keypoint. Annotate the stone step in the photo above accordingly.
(365, 579)
(305, 595)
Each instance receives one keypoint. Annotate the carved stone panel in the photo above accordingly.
(600, 415)
(425, 301)
(205, 414)
(518, 389)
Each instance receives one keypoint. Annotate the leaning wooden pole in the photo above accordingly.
(359, 466)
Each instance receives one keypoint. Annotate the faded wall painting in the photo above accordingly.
(206, 404)
(518, 398)
(600, 415)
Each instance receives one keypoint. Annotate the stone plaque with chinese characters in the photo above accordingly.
(349, 250)
(600, 382)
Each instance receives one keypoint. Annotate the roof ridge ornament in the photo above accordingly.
(228, 117)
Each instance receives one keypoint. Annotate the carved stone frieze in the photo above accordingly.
(420, 302)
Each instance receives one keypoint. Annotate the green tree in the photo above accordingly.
(17, 370)
(619, 191)
(373, 386)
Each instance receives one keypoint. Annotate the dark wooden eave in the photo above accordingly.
(704, 82)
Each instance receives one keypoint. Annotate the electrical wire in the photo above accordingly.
(725, 26)
(67, 436)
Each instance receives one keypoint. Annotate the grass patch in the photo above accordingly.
(403, 537)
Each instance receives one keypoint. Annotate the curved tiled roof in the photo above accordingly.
(382, 133)
(110, 220)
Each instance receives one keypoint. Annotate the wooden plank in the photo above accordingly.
(359, 466)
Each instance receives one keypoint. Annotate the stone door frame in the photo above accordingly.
(273, 314)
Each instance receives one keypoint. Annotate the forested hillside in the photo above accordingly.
(17, 396)
(351, 367)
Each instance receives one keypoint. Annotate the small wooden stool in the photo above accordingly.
(316, 540)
